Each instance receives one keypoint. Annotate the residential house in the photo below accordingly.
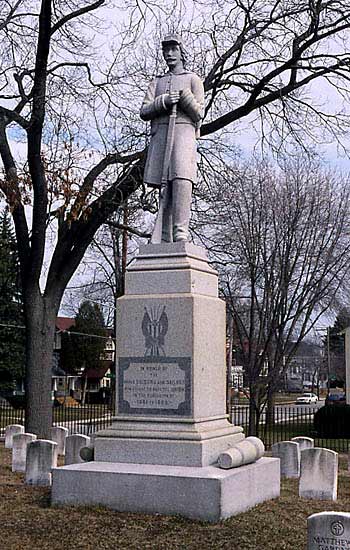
(90, 382)
(306, 370)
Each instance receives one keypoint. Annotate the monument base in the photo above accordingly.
(166, 442)
(203, 493)
(160, 456)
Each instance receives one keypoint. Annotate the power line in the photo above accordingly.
(61, 331)
(84, 334)
(12, 326)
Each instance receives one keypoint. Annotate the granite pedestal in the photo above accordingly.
(207, 494)
(171, 425)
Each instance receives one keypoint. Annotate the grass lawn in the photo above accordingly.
(28, 521)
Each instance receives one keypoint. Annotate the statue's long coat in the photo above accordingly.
(183, 162)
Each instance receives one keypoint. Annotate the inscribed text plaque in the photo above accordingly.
(155, 385)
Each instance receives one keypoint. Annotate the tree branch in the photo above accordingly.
(129, 229)
(11, 190)
(75, 14)
(96, 171)
(251, 105)
(6, 21)
(76, 235)
(9, 116)
(35, 131)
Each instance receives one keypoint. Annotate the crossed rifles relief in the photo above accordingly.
(154, 329)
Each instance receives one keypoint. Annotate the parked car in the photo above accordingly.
(336, 399)
(307, 398)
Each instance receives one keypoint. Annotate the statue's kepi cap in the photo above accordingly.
(172, 39)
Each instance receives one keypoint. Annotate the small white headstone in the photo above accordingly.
(304, 442)
(19, 451)
(41, 458)
(289, 454)
(59, 434)
(10, 431)
(328, 530)
(74, 443)
(319, 474)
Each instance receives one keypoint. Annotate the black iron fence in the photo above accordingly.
(288, 421)
(83, 419)
(285, 422)
(9, 415)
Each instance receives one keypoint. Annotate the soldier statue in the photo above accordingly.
(174, 104)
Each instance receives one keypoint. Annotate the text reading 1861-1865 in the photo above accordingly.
(155, 385)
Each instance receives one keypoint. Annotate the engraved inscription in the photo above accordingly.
(335, 534)
(156, 385)
(330, 543)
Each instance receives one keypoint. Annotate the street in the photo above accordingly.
(282, 412)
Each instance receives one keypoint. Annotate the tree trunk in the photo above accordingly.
(270, 409)
(253, 427)
(40, 333)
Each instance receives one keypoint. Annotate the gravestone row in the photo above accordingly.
(37, 457)
(316, 468)
(326, 530)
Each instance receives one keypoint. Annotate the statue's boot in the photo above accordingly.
(181, 208)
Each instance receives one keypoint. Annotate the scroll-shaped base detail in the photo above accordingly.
(244, 452)
(87, 453)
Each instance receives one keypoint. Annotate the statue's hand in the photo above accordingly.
(190, 105)
(172, 98)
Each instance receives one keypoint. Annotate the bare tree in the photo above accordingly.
(278, 49)
(57, 193)
(280, 240)
(101, 274)
(73, 102)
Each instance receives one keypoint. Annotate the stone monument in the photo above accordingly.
(174, 103)
(161, 453)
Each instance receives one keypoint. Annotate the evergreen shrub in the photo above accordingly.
(333, 421)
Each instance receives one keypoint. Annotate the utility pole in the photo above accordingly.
(320, 329)
(124, 243)
(328, 361)
(229, 358)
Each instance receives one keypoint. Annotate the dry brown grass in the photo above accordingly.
(28, 521)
